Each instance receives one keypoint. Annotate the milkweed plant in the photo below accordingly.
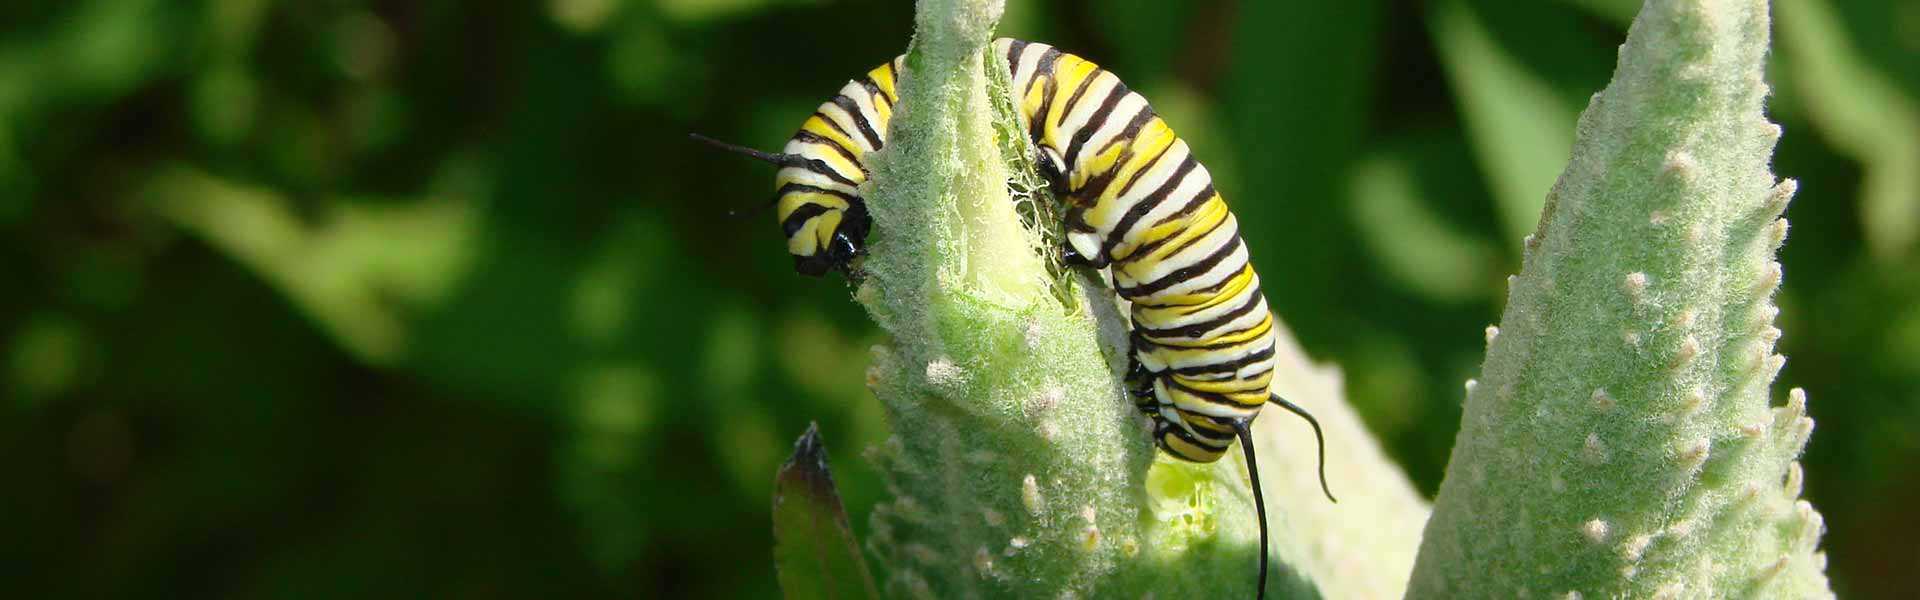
(1620, 441)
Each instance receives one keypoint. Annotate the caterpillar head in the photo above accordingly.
(847, 242)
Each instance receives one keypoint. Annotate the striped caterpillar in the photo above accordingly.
(1139, 204)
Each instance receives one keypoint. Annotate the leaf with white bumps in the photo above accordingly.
(1621, 442)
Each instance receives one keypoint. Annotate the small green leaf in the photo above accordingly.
(813, 547)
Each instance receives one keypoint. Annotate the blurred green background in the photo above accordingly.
(346, 298)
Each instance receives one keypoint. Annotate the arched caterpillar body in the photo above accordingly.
(1139, 204)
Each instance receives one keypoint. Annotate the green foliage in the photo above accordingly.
(592, 370)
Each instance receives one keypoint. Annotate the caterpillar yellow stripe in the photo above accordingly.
(1139, 204)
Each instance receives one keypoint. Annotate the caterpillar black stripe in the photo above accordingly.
(1139, 204)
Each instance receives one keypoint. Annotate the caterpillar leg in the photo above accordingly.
(1072, 257)
(1049, 164)
(1083, 247)
(1140, 378)
(1140, 385)
(1082, 250)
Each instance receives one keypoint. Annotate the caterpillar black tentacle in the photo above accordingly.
(1319, 440)
(1244, 431)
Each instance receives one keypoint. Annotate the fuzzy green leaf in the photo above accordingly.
(1621, 442)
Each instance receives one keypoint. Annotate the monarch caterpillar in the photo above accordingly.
(1140, 205)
